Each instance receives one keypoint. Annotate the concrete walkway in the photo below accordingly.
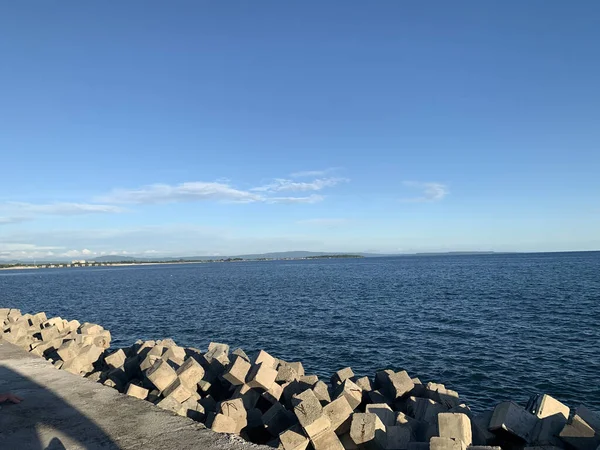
(65, 411)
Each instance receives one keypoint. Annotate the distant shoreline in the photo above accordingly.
(154, 263)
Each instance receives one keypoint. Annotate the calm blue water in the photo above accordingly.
(491, 327)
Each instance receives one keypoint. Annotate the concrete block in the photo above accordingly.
(321, 390)
(480, 428)
(347, 441)
(161, 374)
(395, 384)
(440, 394)
(177, 390)
(261, 376)
(148, 362)
(309, 412)
(137, 391)
(224, 424)
(208, 403)
(297, 366)
(365, 384)
(286, 373)
(327, 440)
(339, 412)
(367, 431)
(248, 395)
(455, 426)
(264, 358)
(351, 391)
(72, 325)
(308, 381)
(273, 394)
(36, 320)
(590, 417)
(341, 375)
(193, 409)
(511, 418)
(217, 357)
(397, 437)
(277, 419)
(190, 373)
(175, 354)
(237, 371)
(444, 443)
(115, 359)
(383, 411)
(241, 353)
(90, 328)
(54, 321)
(76, 366)
(49, 333)
(418, 446)
(579, 435)
(102, 339)
(424, 409)
(546, 406)
(294, 439)
(234, 409)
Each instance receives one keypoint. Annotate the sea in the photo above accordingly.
(492, 327)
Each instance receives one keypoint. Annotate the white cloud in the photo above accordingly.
(290, 200)
(313, 173)
(282, 184)
(326, 222)
(62, 209)
(430, 192)
(191, 191)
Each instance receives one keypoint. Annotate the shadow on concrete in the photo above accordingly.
(44, 421)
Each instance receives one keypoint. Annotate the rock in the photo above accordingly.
(190, 373)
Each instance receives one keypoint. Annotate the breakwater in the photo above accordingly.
(270, 401)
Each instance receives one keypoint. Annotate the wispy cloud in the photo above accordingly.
(191, 191)
(10, 220)
(325, 222)
(430, 192)
(314, 173)
(283, 184)
(63, 209)
(290, 200)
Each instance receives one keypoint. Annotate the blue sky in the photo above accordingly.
(189, 127)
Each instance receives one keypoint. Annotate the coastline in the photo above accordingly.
(270, 401)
